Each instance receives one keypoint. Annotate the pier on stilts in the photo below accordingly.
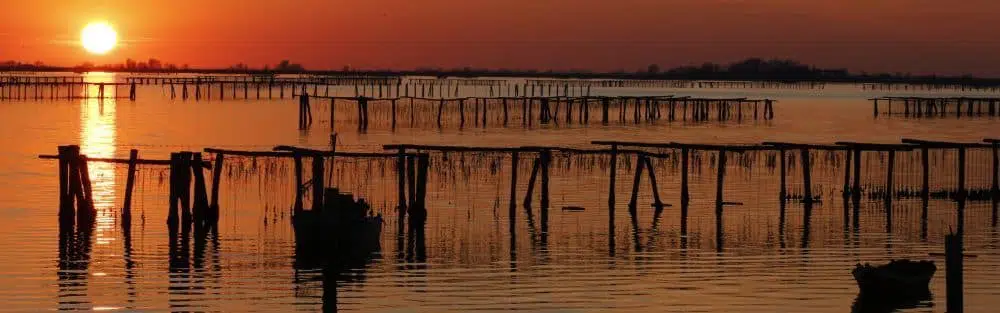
(694, 175)
(531, 111)
(935, 107)
(61, 88)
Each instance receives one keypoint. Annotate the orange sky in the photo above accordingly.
(920, 36)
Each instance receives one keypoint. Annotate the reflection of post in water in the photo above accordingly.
(128, 258)
(74, 261)
(179, 269)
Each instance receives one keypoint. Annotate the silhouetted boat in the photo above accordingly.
(898, 279)
(346, 230)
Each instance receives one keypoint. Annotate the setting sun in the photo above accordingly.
(98, 37)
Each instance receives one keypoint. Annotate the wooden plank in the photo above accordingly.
(875, 146)
(945, 144)
(120, 161)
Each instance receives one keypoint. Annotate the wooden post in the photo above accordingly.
(652, 181)
(890, 169)
(172, 212)
(184, 186)
(213, 217)
(605, 103)
(440, 109)
(133, 157)
(422, 165)
(317, 182)
(411, 175)
(298, 183)
(996, 180)
(719, 199)
(807, 196)
(401, 180)
(66, 213)
(953, 272)
(201, 205)
(857, 176)
(640, 164)
(546, 159)
(847, 174)
(85, 211)
(531, 183)
(393, 113)
(461, 113)
(783, 193)
(333, 114)
(613, 167)
(685, 196)
(512, 213)
(961, 190)
(504, 101)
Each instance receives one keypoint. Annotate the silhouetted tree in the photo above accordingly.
(653, 69)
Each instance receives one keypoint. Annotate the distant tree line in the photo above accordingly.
(748, 69)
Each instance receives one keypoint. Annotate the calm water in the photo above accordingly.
(760, 265)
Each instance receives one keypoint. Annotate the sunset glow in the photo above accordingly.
(98, 37)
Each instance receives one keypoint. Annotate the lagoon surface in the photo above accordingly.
(573, 264)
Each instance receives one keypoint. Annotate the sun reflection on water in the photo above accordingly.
(97, 140)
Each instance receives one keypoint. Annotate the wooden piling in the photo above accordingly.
(925, 166)
(401, 180)
(440, 110)
(545, 156)
(200, 205)
(174, 176)
(213, 217)
(953, 273)
(890, 172)
(298, 183)
(184, 186)
(847, 174)
(535, 166)
(133, 156)
(640, 165)
(783, 192)
(721, 173)
(807, 196)
(85, 211)
(66, 213)
(995, 191)
(961, 190)
(613, 167)
(512, 213)
(685, 196)
(317, 182)
(719, 184)
(423, 163)
(857, 178)
(652, 181)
